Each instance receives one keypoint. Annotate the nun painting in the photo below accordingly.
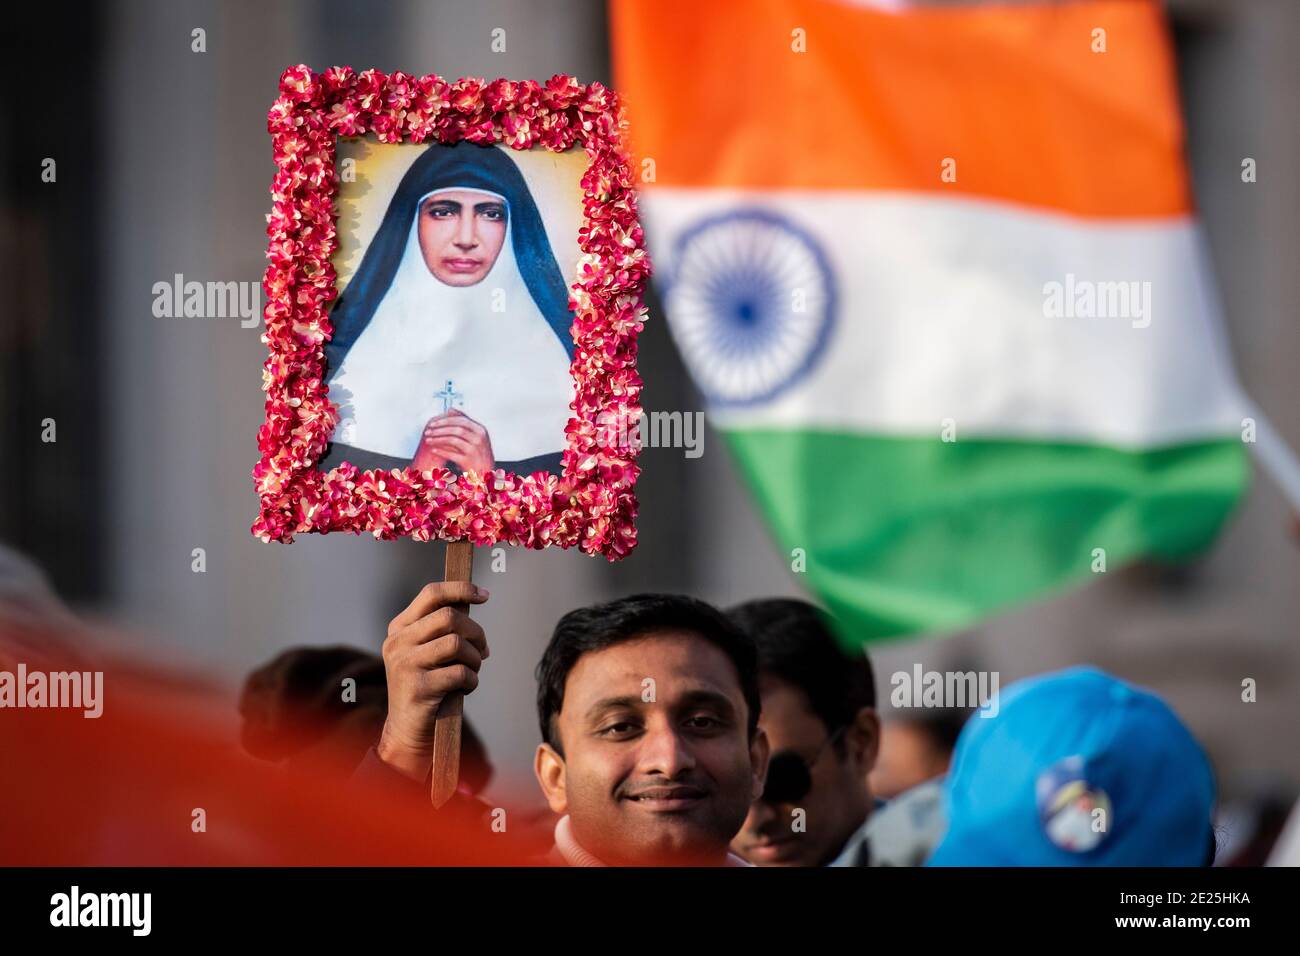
(451, 343)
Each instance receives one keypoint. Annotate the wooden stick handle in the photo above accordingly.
(446, 729)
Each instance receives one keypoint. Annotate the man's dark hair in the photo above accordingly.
(600, 626)
(795, 644)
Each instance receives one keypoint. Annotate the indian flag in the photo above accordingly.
(938, 275)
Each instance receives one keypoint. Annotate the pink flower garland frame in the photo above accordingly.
(592, 503)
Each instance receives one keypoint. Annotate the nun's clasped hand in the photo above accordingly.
(454, 437)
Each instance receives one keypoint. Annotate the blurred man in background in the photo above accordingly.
(818, 711)
(327, 706)
(914, 749)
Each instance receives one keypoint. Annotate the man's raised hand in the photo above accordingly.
(432, 650)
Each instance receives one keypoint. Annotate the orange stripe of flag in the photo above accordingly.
(718, 97)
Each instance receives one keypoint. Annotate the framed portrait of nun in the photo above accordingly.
(453, 302)
(451, 342)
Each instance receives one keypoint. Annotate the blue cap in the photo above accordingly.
(1077, 768)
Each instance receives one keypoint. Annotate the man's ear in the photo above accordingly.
(862, 739)
(549, 768)
(759, 751)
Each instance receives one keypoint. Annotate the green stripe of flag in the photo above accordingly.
(911, 535)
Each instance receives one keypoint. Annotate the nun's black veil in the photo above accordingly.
(469, 166)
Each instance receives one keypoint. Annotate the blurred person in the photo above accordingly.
(818, 712)
(915, 749)
(121, 789)
(1078, 768)
(648, 709)
(162, 735)
(297, 708)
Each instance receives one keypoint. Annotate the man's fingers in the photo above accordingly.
(448, 650)
(458, 678)
(441, 624)
(434, 595)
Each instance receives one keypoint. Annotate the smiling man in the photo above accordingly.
(651, 750)
(649, 705)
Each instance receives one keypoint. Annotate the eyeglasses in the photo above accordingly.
(789, 774)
